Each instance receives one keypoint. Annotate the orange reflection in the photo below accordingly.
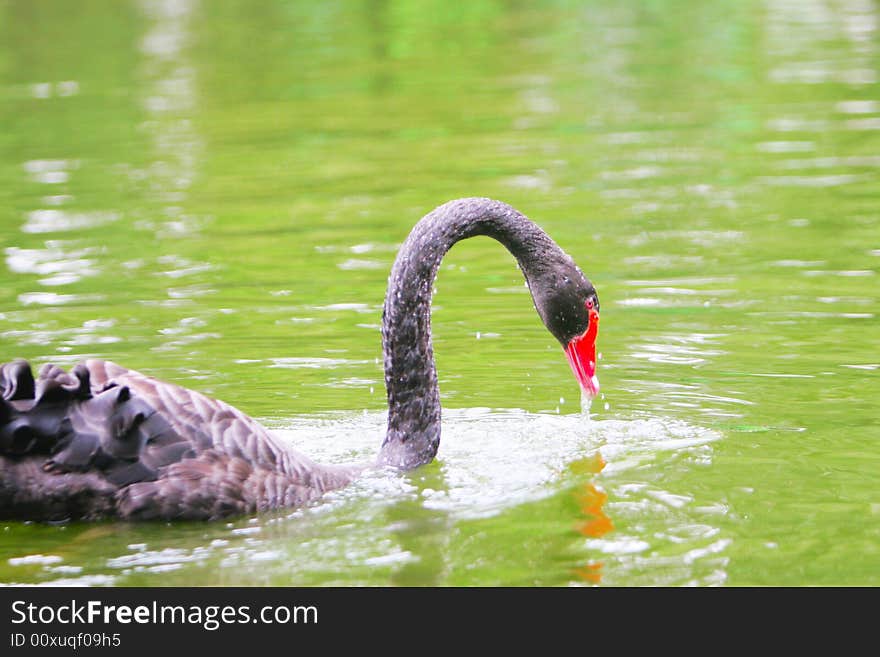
(591, 573)
(595, 521)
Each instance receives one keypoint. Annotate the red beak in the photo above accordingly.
(581, 353)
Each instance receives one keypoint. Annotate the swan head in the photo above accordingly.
(568, 304)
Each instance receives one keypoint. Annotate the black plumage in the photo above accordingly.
(106, 441)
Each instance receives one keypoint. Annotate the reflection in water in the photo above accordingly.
(53, 220)
(49, 172)
(56, 264)
(678, 349)
(595, 522)
(169, 99)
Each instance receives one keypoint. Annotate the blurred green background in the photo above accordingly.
(213, 193)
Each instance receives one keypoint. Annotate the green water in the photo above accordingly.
(213, 193)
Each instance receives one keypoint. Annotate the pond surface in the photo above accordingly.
(213, 193)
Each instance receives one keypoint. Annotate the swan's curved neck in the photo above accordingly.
(413, 434)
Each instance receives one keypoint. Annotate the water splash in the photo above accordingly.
(586, 403)
(491, 459)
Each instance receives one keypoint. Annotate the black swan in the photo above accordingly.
(103, 441)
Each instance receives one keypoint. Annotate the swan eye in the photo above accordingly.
(589, 304)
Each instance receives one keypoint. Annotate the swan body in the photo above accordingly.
(105, 441)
